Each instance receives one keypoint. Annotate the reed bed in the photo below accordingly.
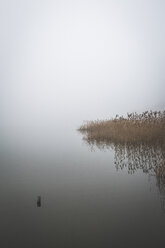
(137, 140)
(147, 127)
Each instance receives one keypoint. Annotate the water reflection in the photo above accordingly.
(149, 159)
(146, 157)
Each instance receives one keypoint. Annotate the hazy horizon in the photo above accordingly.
(80, 60)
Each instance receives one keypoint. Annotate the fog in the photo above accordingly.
(67, 61)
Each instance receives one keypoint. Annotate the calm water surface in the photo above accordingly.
(58, 191)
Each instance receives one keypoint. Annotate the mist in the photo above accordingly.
(65, 183)
(69, 61)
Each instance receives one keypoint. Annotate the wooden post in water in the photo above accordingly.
(39, 201)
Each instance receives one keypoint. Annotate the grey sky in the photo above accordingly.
(80, 59)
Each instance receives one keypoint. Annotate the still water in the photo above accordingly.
(57, 190)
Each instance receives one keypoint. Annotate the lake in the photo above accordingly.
(58, 190)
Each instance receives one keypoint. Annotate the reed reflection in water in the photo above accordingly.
(146, 157)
